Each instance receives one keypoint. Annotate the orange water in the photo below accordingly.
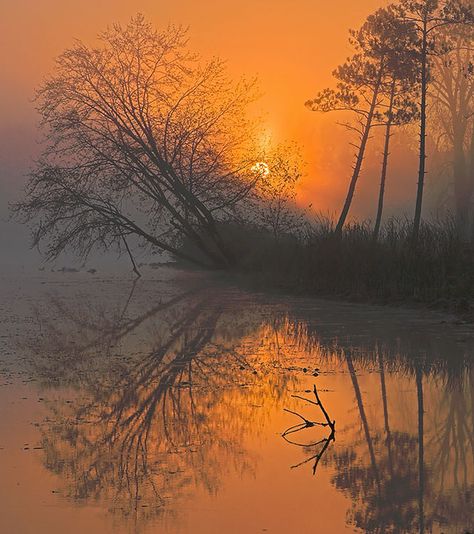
(160, 407)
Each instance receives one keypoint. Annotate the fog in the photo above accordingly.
(286, 49)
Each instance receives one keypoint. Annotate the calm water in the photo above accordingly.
(179, 406)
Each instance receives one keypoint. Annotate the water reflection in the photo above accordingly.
(416, 479)
(158, 401)
(148, 425)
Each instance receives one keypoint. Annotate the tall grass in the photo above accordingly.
(439, 268)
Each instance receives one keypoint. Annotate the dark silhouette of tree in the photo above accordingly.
(401, 109)
(144, 141)
(452, 94)
(429, 17)
(361, 81)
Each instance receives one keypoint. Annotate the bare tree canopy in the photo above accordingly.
(143, 139)
(276, 210)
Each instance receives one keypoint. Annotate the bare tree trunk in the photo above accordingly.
(471, 185)
(135, 269)
(207, 220)
(462, 185)
(422, 154)
(360, 155)
(386, 154)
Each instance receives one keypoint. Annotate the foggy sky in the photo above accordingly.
(291, 45)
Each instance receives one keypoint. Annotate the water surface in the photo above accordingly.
(181, 405)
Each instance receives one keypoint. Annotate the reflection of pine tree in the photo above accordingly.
(383, 500)
(452, 458)
(379, 473)
(406, 482)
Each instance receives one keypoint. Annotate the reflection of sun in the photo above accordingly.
(261, 168)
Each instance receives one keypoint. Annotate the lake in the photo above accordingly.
(181, 404)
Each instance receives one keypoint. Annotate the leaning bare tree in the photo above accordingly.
(144, 142)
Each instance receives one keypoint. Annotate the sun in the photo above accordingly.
(261, 168)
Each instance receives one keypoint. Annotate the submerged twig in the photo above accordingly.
(309, 424)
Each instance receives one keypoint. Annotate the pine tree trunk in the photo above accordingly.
(386, 154)
(360, 156)
(422, 154)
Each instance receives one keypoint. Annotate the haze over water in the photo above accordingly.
(159, 406)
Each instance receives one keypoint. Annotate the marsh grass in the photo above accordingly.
(438, 269)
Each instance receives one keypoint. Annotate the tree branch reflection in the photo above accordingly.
(145, 428)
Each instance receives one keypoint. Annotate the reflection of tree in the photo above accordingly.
(155, 425)
(402, 477)
(385, 473)
(387, 505)
(161, 404)
(452, 443)
(421, 448)
(380, 477)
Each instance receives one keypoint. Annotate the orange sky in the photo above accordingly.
(291, 45)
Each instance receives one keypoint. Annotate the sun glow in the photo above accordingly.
(261, 168)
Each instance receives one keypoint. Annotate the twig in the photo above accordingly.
(135, 269)
(309, 424)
